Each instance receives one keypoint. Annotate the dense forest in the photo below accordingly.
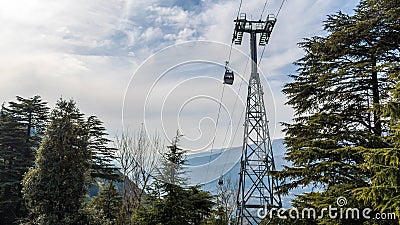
(59, 166)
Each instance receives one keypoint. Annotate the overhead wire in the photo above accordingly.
(237, 16)
(223, 89)
(237, 97)
(229, 58)
(218, 115)
(238, 124)
(240, 6)
(262, 12)
(216, 128)
(277, 14)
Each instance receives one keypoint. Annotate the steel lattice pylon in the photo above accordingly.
(256, 186)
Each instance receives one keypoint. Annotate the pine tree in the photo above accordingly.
(55, 188)
(29, 116)
(199, 205)
(106, 206)
(168, 203)
(172, 171)
(12, 145)
(384, 164)
(172, 209)
(32, 113)
(103, 156)
(338, 96)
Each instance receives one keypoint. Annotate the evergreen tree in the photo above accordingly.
(168, 203)
(29, 116)
(32, 113)
(172, 171)
(12, 145)
(105, 207)
(384, 164)
(103, 155)
(338, 97)
(199, 205)
(170, 177)
(55, 188)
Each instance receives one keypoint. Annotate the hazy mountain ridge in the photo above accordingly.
(226, 163)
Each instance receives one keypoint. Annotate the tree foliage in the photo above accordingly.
(55, 188)
(22, 125)
(104, 209)
(384, 164)
(71, 152)
(74, 152)
(12, 146)
(341, 139)
(168, 202)
(173, 160)
(103, 156)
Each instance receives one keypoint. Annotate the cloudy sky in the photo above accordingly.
(156, 62)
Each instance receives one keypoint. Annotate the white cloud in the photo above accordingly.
(169, 16)
(152, 34)
(183, 35)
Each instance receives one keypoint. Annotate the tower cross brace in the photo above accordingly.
(256, 185)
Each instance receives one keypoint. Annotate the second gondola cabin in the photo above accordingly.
(228, 77)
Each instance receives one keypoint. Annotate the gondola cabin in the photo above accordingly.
(228, 77)
(220, 181)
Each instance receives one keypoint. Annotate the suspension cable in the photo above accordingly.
(219, 112)
(237, 16)
(277, 14)
(238, 124)
(236, 99)
(262, 12)
(216, 128)
(262, 54)
(240, 6)
(231, 142)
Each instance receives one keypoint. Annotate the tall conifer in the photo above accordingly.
(55, 188)
(24, 124)
(339, 96)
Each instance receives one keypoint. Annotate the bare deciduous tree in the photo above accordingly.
(226, 200)
(138, 156)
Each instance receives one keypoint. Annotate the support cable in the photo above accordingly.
(237, 16)
(240, 6)
(238, 124)
(277, 14)
(219, 110)
(237, 98)
(216, 128)
(262, 12)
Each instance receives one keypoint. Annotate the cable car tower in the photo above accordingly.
(256, 185)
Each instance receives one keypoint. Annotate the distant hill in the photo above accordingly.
(207, 167)
(226, 163)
